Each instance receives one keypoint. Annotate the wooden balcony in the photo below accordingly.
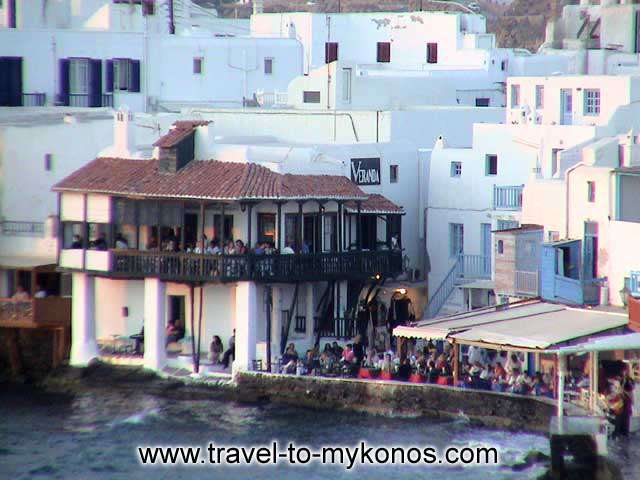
(354, 265)
(50, 311)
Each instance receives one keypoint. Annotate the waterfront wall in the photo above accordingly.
(491, 409)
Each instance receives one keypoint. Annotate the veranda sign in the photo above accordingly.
(365, 171)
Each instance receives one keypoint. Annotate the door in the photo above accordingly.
(368, 232)
(177, 311)
(590, 263)
(311, 233)
(330, 237)
(190, 230)
(566, 103)
(486, 247)
(11, 81)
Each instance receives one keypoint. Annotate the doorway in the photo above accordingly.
(566, 105)
(190, 229)
(177, 311)
(486, 248)
(311, 232)
(368, 232)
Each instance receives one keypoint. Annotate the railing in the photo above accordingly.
(577, 292)
(301, 324)
(259, 268)
(338, 328)
(443, 291)
(78, 100)
(22, 229)
(269, 99)
(49, 311)
(507, 197)
(474, 266)
(526, 283)
(107, 100)
(34, 99)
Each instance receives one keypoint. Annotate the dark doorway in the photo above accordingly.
(10, 81)
(49, 282)
(330, 232)
(228, 227)
(24, 280)
(190, 229)
(368, 232)
(291, 230)
(177, 310)
(267, 228)
(311, 232)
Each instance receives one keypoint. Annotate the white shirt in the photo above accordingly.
(40, 294)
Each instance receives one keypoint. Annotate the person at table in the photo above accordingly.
(40, 292)
(404, 370)
(240, 247)
(230, 248)
(289, 359)
(288, 250)
(77, 242)
(628, 386)
(152, 244)
(215, 350)
(121, 242)
(21, 294)
(231, 351)
(172, 332)
(358, 349)
(100, 243)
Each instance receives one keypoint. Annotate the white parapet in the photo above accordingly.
(84, 347)
(246, 323)
(154, 324)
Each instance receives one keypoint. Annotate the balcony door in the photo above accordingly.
(368, 232)
(191, 229)
(485, 233)
(311, 232)
(566, 106)
(590, 262)
(11, 81)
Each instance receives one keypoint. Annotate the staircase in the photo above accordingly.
(448, 297)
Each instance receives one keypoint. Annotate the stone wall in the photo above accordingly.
(399, 399)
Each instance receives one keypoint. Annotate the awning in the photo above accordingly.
(629, 341)
(26, 262)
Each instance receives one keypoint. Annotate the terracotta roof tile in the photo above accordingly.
(179, 131)
(207, 179)
(375, 203)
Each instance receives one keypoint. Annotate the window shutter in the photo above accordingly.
(384, 52)
(63, 88)
(330, 52)
(95, 83)
(134, 75)
(432, 53)
(109, 67)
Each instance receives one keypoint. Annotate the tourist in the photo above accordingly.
(215, 350)
(513, 363)
(259, 250)
(121, 242)
(240, 248)
(288, 250)
(432, 372)
(172, 332)
(311, 362)
(230, 248)
(214, 247)
(347, 354)
(387, 364)
(21, 294)
(358, 349)
(152, 244)
(628, 386)
(231, 352)
(100, 243)
(77, 242)
(289, 359)
(40, 292)
(404, 370)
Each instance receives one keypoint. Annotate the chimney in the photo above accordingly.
(124, 137)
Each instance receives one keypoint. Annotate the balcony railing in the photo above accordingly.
(22, 229)
(84, 100)
(34, 99)
(577, 292)
(526, 283)
(107, 100)
(338, 328)
(39, 311)
(507, 197)
(258, 268)
(474, 267)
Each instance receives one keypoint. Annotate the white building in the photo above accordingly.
(99, 53)
(552, 124)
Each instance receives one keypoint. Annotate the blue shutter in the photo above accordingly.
(95, 83)
(134, 76)
(109, 71)
(63, 88)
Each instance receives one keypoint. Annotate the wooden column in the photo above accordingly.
(111, 235)
(59, 232)
(269, 310)
(339, 228)
(158, 236)
(183, 247)
(136, 220)
(202, 219)
(321, 225)
(299, 234)
(456, 363)
(359, 227)
(85, 231)
(388, 217)
(249, 218)
(279, 229)
(222, 227)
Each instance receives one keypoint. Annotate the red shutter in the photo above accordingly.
(384, 52)
(432, 53)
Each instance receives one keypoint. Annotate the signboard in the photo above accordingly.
(365, 171)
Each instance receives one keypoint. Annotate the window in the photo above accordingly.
(267, 228)
(228, 227)
(592, 101)
(48, 162)
(515, 96)
(268, 66)
(500, 247)
(78, 76)
(503, 65)
(539, 96)
(384, 52)
(553, 236)
(311, 96)
(346, 85)
(330, 52)
(591, 192)
(456, 169)
(393, 173)
(555, 161)
(491, 165)
(456, 239)
(197, 65)
(432, 53)
(482, 102)
(123, 74)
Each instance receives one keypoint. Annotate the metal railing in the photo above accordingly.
(259, 268)
(270, 99)
(507, 197)
(444, 290)
(526, 283)
(22, 229)
(78, 99)
(34, 99)
(339, 327)
(474, 266)
(107, 100)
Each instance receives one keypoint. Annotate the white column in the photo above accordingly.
(276, 322)
(310, 310)
(154, 324)
(83, 326)
(246, 322)
(562, 370)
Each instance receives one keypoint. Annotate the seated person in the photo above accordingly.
(215, 350)
(40, 292)
(432, 372)
(121, 242)
(21, 294)
(77, 242)
(404, 370)
(172, 332)
(100, 243)
(290, 359)
(288, 250)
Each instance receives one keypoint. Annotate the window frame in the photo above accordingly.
(393, 173)
(432, 52)
(487, 164)
(309, 96)
(330, 52)
(539, 96)
(455, 169)
(383, 52)
(74, 76)
(514, 95)
(592, 102)
(456, 239)
(591, 191)
(198, 63)
(268, 61)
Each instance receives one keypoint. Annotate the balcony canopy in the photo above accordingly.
(207, 180)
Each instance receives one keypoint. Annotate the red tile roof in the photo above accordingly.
(375, 203)
(205, 179)
(179, 131)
